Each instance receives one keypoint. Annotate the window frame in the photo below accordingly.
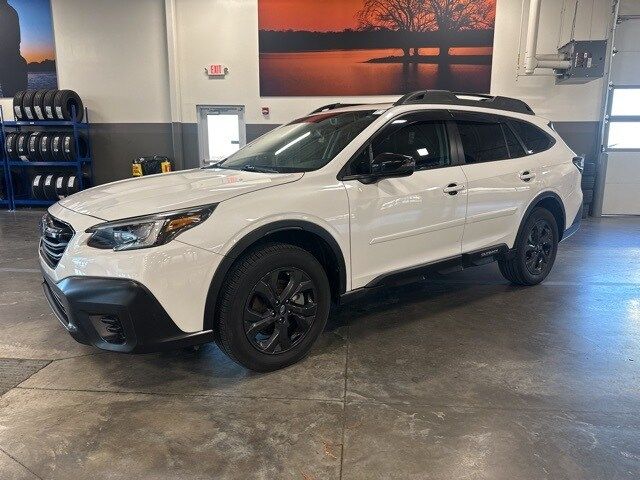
(412, 117)
(504, 121)
(610, 119)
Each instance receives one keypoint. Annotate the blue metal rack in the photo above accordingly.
(8, 195)
(80, 164)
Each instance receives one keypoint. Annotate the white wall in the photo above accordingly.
(226, 31)
(114, 54)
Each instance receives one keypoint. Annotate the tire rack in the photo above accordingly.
(25, 167)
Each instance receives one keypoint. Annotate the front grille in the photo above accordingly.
(55, 237)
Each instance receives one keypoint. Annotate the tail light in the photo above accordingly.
(579, 163)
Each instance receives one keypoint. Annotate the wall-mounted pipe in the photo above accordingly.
(532, 59)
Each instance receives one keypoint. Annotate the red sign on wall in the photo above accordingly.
(217, 70)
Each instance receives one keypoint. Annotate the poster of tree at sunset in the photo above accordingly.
(374, 47)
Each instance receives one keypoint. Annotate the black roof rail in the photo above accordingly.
(333, 106)
(445, 97)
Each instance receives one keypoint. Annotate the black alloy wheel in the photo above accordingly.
(539, 247)
(280, 310)
(535, 249)
(273, 306)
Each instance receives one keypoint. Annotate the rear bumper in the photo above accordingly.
(116, 314)
(575, 226)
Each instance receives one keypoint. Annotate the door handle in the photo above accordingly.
(453, 188)
(527, 176)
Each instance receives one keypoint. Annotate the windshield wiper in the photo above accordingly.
(258, 168)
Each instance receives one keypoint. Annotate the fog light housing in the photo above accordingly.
(109, 327)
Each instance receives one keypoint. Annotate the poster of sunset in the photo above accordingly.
(27, 50)
(374, 47)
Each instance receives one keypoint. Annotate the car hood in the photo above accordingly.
(172, 191)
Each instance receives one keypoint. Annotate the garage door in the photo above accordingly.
(622, 138)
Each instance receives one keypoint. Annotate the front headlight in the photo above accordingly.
(147, 231)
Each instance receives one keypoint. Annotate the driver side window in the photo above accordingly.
(426, 141)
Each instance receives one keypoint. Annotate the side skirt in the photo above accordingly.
(427, 270)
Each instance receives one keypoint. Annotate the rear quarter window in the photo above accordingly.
(534, 138)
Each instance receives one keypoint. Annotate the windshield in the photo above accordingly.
(304, 145)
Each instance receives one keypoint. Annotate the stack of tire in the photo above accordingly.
(588, 184)
(55, 186)
(45, 146)
(48, 105)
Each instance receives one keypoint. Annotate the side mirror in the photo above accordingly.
(391, 165)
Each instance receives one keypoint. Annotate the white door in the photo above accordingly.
(503, 176)
(221, 132)
(400, 223)
(621, 182)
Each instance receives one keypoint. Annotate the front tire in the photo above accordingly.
(535, 250)
(273, 307)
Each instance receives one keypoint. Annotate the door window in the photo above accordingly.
(426, 142)
(483, 141)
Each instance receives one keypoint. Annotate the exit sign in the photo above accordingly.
(217, 70)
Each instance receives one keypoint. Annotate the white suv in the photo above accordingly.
(252, 251)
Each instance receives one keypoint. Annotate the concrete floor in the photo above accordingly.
(464, 377)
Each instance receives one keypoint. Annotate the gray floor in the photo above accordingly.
(461, 378)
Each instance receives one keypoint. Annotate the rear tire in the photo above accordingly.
(274, 305)
(535, 250)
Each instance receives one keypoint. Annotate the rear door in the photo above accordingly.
(502, 179)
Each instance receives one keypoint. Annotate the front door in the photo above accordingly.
(400, 223)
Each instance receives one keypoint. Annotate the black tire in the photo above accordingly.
(47, 103)
(522, 268)
(37, 185)
(49, 187)
(45, 147)
(65, 103)
(73, 185)
(22, 146)
(38, 106)
(71, 153)
(57, 148)
(588, 183)
(18, 109)
(240, 297)
(34, 147)
(10, 146)
(61, 186)
(589, 170)
(27, 104)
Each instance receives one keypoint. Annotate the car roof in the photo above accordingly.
(385, 107)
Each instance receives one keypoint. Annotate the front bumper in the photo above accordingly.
(116, 314)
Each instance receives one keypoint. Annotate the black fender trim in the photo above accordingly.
(255, 236)
(575, 226)
(534, 203)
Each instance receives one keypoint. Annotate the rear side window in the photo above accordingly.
(483, 142)
(534, 139)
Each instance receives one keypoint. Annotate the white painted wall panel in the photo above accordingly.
(114, 54)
